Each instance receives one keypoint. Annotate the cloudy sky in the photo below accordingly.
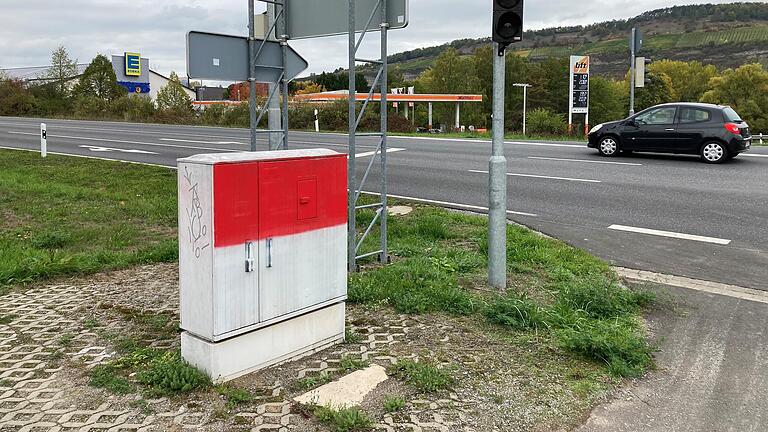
(31, 29)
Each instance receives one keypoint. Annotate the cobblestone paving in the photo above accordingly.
(48, 342)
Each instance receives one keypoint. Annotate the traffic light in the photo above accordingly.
(641, 78)
(507, 22)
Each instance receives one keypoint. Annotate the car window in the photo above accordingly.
(694, 115)
(658, 116)
(731, 115)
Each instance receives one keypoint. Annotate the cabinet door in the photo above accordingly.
(302, 211)
(236, 226)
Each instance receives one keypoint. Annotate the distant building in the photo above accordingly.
(212, 94)
(132, 71)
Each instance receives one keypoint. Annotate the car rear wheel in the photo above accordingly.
(714, 153)
(608, 146)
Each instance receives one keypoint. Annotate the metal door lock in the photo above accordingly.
(250, 263)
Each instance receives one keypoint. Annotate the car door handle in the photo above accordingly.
(671, 130)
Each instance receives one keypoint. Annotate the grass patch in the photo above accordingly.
(564, 292)
(108, 377)
(169, 374)
(425, 377)
(68, 215)
(312, 381)
(350, 336)
(393, 403)
(344, 419)
(235, 396)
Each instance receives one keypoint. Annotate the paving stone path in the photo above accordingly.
(51, 335)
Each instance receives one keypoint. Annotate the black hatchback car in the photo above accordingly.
(714, 132)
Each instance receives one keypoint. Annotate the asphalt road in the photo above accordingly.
(713, 219)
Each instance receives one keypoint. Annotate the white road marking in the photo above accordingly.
(109, 149)
(449, 204)
(366, 154)
(542, 177)
(203, 142)
(670, 234)
(125, 142)
(695, 284)
(755, 155)
(584, 160)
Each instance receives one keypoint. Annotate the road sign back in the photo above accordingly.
(314, 18)
(225, 58)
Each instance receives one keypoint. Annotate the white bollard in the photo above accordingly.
(317, 122)
(761, 139)
(43, 140)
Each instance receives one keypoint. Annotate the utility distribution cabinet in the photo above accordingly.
(262, 257)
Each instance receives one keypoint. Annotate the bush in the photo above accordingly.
(132, 108)
(15, 99)
(237, 116)
(91, 107)
(545, 122)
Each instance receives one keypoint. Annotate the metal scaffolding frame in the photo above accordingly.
(355, 188)
(254, 51)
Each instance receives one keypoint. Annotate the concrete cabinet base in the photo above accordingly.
(279, 343)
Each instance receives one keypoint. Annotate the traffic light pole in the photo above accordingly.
(633, 65)
(497, 215)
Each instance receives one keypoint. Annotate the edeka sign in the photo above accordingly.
(133, 64)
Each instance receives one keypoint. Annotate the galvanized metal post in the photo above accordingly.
(525, 105)
(352, 246)
(497, 217)
(274, 115)
(284, 44)
(252, 72)
(384, 256)
(633, 65)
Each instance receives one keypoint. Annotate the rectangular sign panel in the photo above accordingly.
(313, 18)
(579, 86)
(133, 64)
(225, 58)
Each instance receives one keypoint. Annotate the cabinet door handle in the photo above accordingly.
(269, 253)
(670, 130)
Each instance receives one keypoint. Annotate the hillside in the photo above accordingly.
(725, 35)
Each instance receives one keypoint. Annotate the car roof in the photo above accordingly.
(693, 104)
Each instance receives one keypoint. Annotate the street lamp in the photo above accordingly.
(525, 99)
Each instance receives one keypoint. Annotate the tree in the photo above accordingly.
(99, 81)
(452, 74)
(308, 87)
(607, 100)
(173, 98)
(61, 71)
(395, 78)
(689, 79)
(15, 99)
(659, 90)
(744, 89)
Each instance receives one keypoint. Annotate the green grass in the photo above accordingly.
(574, 298)
(311, 381)
(108, 377)
(393, 403)
(425, 377)
(344, 419)
(235, 396)
(67, 215)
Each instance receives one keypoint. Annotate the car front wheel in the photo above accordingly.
(608, 146)
(714, 153)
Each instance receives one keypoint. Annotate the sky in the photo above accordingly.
(31, 29)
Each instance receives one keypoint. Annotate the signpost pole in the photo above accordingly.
(274, 115)
(252, 73)
(384, 257)
(352, 244)
(284, 45)
(497, 230)
(525, 106)
(632, 46)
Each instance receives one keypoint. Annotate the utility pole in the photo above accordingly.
(274, 114)
(525, 100)
(497, 227)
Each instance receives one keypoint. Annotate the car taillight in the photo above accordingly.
(733, 128)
